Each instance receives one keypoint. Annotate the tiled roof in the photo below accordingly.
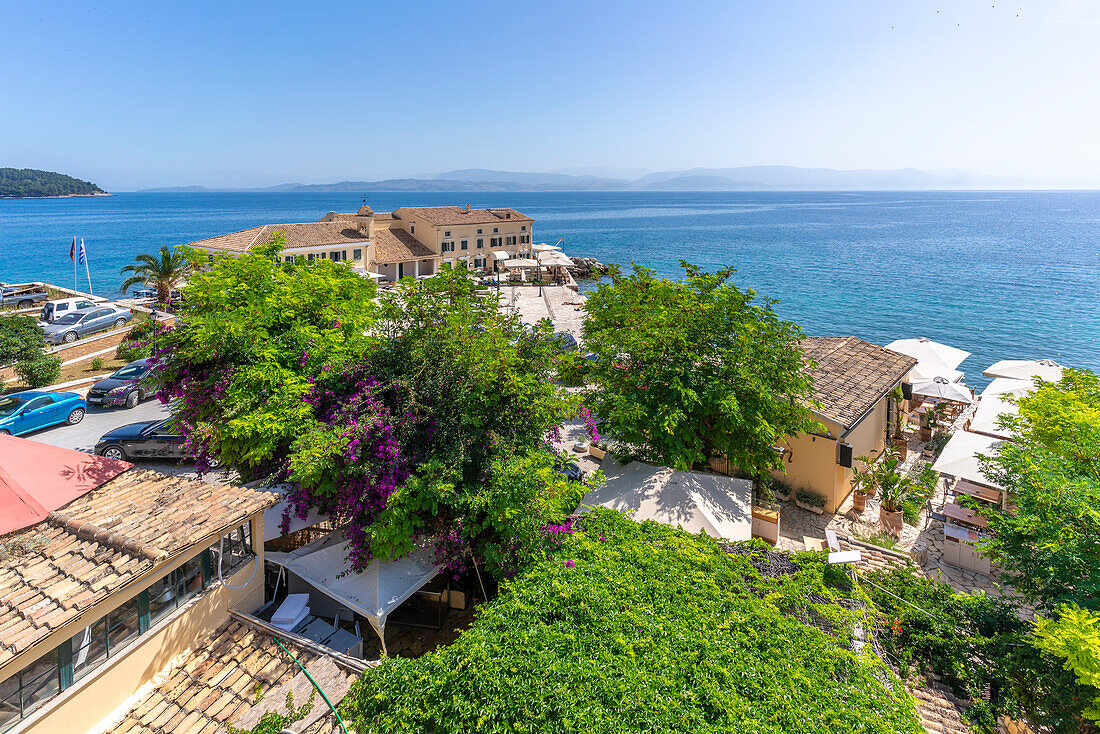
(307, 234)
(874, 558)
(851, 375)
(397, 245)
(448, 216)
(94, 546)
(234, 676)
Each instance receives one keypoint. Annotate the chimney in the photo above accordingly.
(467, 208)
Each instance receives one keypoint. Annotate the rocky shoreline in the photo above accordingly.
(587, 267)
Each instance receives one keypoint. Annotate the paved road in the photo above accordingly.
(97, 421)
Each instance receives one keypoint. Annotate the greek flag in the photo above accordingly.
(83, 255)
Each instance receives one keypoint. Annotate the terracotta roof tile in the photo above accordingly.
(212, 688)
(851, 375)
(99, 542)
(452, 216)
(305, 234)
(397, 245)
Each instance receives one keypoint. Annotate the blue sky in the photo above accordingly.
(239, 94)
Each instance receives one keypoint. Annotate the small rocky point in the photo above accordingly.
(587, 267)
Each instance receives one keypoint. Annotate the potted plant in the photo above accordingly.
(809, 500)
(781, 491)
(863, 483)
(895, 490)
(900, 442)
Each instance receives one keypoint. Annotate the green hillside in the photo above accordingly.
(22, 182)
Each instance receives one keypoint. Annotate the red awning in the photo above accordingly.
(36, 479)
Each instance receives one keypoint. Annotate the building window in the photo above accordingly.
(357, 254)
(105, 638)
(448, 247)
(338, 255)
(465, 244)
(523, 228)
(447, 233)
(412, 229)
(480, 242)
(496, 229)
(309, 256)
(236, 547)
(28, 689)
(480, 231)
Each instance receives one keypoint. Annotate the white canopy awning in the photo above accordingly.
(1025, 369)
(986, 417)
(543, 247)
(521, 262)
(959, 457)
(718, 505)
(273, 516)
(500, 255)
(374, 593)
(944, 389)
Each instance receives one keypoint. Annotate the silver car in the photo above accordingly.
(71, 327)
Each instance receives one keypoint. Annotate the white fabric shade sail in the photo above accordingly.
(374, 593)
(944, 389)
(521, 262)
(933, 359)
(718, 505)
(959, 457)
(1025, 369)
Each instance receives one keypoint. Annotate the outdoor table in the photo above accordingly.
(964, 515)
(985, 494)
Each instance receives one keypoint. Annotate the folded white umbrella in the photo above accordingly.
(923, 348)
(1025, 369)
(944, 389)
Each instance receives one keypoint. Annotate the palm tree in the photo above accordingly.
(166, 271)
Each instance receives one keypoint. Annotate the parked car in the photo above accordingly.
(126, 386)
(158, 439)
(27, 411)
(150, 294)
(72, 326)
(53, 310)
(22, 295)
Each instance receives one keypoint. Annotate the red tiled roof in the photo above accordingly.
(447, 216)
(306, 234)
(850, 375)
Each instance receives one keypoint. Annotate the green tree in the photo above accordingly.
(166, 271)
(21, 339)
(690, 369)
(1074, 637)
(1047, 540)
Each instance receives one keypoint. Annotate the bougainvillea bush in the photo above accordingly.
(627, 627)
(419, 413)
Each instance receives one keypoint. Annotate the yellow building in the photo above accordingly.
(408, 242)
(125, 608)
(853, 379)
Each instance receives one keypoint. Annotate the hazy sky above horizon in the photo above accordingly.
(133, 95)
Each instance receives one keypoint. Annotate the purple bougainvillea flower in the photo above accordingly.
(569, 563)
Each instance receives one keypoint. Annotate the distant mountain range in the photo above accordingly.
(744, 178)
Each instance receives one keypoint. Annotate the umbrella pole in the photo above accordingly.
(480, 583)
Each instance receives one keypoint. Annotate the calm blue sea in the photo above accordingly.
(1002, 275)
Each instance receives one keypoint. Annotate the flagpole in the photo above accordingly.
(87, 272)
(72, 256)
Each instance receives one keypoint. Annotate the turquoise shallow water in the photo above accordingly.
(1001, 274)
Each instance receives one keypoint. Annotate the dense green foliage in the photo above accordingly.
(1048, 541)
(166, 270)
(979, 646)
(422, 413)
(21, 339)
(629, 627)
(41, 371)
(139, 342)
(18, 182)
(1075, 637)
(686, 370)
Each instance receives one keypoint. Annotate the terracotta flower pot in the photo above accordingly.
(859, 501)
(892, 521)
(902, 445)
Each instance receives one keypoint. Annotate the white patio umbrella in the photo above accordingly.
(1025, 369)
(988, 415)
(1007, 386)
(933, 359)
(944, 389)
(521, 262)
(554, 259)
(543, 247)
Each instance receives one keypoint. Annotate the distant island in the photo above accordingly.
(29, 183)
(744, 178)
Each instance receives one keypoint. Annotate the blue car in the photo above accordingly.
(27, 411)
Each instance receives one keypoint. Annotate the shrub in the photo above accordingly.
(924, 486)
(40, 371)
(20, 339)
(138, 343)
(97, 363)
(629, 627)
(810, 498)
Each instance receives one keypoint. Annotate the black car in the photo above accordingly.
(144, 440)
(126, 386)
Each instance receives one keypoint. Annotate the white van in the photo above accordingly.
(53, 310)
